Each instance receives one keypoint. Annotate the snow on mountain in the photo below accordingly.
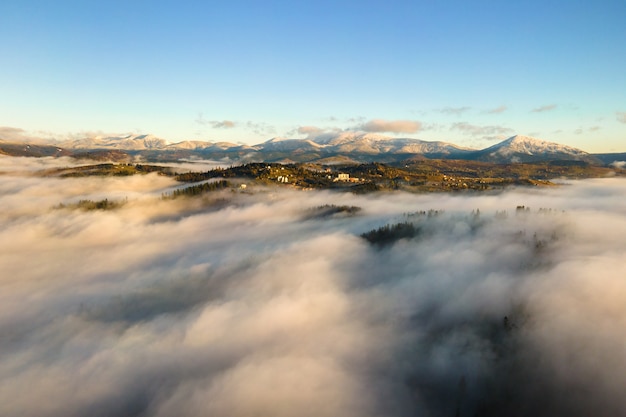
(521, 148)
(327, 144)
(532, 146)
(200, 145)
(287, 145)
(340, 138)
(371, 143)
(128, 142)
(189, 144)
(141, 143)
(355, 145)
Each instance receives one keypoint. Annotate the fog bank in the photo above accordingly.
(244, 303)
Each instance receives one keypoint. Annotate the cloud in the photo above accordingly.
(308, 130)
(493, 132)
(14, 134)
(215, 124)
(621, 116)
(497, 110)
(591, 129)
(11, 134)
(358, 119)
(233, 305)
(315, 132)
(261, 129)
(395, 126)
(224, 124)
(545, 108)
(456, 111)
(201, 120)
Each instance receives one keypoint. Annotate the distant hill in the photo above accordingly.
(112, 155)
(611, 158)
(330, 148)
(32, 150)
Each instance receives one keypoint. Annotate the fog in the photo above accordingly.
(246, 303)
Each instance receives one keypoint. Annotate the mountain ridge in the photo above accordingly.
(355, 146)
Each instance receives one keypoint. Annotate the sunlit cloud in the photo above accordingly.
(621, 116)
(307, 130)
(224, 124)
(393, 126)
(14, 134)
(215, 124)
(241, 303)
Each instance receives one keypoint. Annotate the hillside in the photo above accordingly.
(411, 176)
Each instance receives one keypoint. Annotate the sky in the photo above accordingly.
(467, 72)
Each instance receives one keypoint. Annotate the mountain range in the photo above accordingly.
(329, 148)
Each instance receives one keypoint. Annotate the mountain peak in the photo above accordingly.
(520, 148)
(523, 138)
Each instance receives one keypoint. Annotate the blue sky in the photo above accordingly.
(467, 72)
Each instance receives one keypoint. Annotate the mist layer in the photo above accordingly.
(248, 303)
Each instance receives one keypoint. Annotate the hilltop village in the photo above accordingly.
(420, 176)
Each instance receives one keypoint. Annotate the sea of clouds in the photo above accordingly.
(245, 303)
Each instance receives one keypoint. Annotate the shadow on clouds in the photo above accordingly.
(284, 303)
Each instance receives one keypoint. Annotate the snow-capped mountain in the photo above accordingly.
(344, 145)
(201, 145)
(128, 142)
(141, 143)
(527, 149)
(351, 142)
(359, 146)
(287, 145)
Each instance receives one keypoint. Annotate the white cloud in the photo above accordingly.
(215, 124)
(233, 304)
